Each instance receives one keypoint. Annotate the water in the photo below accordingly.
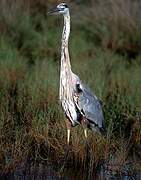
(43, 172)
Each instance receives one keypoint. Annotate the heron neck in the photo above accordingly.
(66, 29)
(65, 60)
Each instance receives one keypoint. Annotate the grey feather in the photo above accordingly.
(89, 105)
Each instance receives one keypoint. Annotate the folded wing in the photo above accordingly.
(89, 105)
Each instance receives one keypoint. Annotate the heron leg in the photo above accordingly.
(84, 123)
(68, 136)
(68, 131)
(85, 133)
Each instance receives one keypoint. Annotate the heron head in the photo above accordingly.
(60, 9)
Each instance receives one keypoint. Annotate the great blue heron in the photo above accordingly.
(80, 105)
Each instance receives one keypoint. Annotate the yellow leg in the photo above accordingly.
(84, 123)
(68, 123)
(68, 136)
(85, 133)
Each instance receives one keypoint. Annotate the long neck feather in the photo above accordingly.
(65, 71)
(65, 60)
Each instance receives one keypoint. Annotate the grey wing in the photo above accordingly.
(89, 105)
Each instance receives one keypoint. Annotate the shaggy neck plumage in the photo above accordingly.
(65, 71)
(65, 60)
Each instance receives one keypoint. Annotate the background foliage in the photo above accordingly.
(105, 48)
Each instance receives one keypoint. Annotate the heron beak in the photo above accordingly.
(53, 11)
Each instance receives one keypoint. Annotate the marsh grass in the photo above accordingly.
(32, 124)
